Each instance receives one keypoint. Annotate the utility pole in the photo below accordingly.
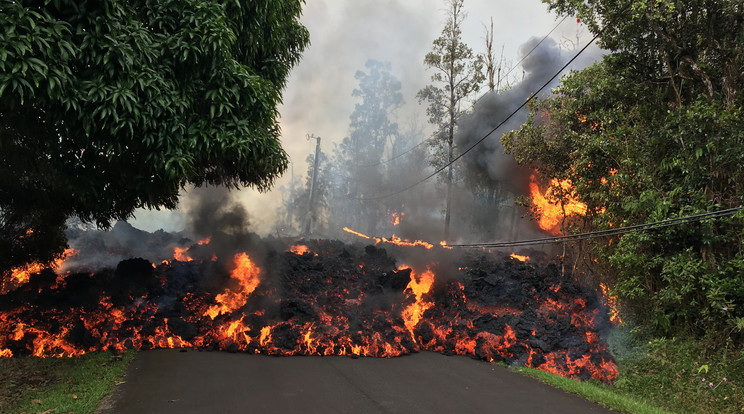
(311, 208)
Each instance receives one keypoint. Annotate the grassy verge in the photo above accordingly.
(59, 385)
(663, 376)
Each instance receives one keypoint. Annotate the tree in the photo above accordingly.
(458, 74)
(653, 132)
(371, 130)
(109, 106)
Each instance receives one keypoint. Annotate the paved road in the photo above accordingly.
(169, 381)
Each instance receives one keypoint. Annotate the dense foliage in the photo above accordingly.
(107, 106)
(655, 131)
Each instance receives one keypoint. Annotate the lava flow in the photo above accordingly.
(343, 299)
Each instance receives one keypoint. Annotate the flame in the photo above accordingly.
(179, 253)
(356, 233)
(394, 240)
(333, 319)
(518, 257)
(612, 304)
(22, 274)
(444, 245)
(551, 214)
(246, 274)
(300, 249)
(395, 218)
(418, 286)
(402, 242)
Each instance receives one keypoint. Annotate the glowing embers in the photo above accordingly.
(246, 276)
(551, 211)
(419, 285)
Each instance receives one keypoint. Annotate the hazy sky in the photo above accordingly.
(344, 35)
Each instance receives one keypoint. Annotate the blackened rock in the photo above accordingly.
(80, 335)
(134, 269)
(186, 330)
(296, 308)
(540, 344)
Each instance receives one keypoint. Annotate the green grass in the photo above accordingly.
(59, 385)
(663, 375)
(599, 393)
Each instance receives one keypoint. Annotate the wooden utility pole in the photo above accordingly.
(311, 207)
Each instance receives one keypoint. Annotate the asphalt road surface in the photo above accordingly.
(169, 381)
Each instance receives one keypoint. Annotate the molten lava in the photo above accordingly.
(551, 211)
(395, 240)
(346, 300)
(519, 257)
(301, 249)
(22, 274)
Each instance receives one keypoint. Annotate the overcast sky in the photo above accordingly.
(344, 34)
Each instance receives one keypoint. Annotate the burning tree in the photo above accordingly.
(118, 105)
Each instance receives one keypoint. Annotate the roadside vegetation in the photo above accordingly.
(663, 375)
(59, 385)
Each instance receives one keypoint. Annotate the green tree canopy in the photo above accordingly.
(107, 106)
(655, 131)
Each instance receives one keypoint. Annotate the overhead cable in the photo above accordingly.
(607, 233)
(470, 148)
(434, 135)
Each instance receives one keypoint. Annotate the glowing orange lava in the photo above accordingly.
(519, 257)
(179, 253)
(551, 214)
(300, 249)
(246, 274)
(356, 233)
(394, 240)
(23, 274)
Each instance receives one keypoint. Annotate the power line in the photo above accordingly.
(608, 233)
(432, 136)
(462, 154)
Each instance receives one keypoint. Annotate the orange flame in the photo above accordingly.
(551, 214)
(518, 257)
(356, 233)
(394, 240)
(179, 253)
(300, 249)
(612, 304)
(418, 286)
(395, 218)
(22, 274)
(246, 274)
